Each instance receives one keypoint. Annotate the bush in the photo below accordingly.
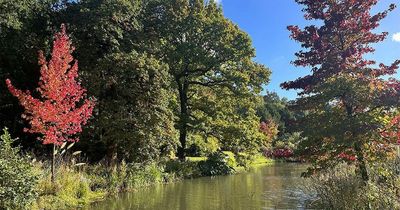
(282, 153)
(216, 164)
(279, 145)
(202, 146)
(244, 160)
(343, 189)
(186, 169)
(18, 179)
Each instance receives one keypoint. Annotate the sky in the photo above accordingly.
(266, 21)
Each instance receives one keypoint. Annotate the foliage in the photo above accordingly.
(286, 146)
(71, 189)
(347, 96)
(201, 145)
(276, 109)
(342, 188)
(270, 130)
(217, 163)
(18, 179)
(204, 51)
(229, 118)
(56, 115)
(132, 63)
(183, 169)
(282, 153)
(25, 28)
(140, 176)
(244, 160)
(134, 119)
(79, 186)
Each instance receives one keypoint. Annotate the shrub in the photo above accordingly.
(202, 146)
(216, 164)
(230, 159)
(18, 179)
(186, 169)
(282, 153)
(341, 188)
(144, 175)
(279, 145)
(244, 160)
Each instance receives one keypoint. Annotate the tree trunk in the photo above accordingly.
(184, 117)
(182, 139)
(53, 156)
(362, 165)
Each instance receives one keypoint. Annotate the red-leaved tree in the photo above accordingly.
(270, 131)
(59, 113)
(347, 95)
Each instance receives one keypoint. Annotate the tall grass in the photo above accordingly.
(342, 188)
(76, 186)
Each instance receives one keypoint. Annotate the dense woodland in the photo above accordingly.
(163, 81)
(165, 74)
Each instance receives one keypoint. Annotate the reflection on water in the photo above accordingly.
(267, 187)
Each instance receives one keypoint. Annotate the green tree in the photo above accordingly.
(228, 117)
(203, 49)
(133, 121)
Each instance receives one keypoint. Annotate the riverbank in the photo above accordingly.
(263, 187)
(83, 185)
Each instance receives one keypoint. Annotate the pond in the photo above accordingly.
(266, 187)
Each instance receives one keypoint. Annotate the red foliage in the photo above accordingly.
(282, 153)
(347, 157)
(342, 21)
(393, 130)
(269, 129)
(59, 113)
(343, 76)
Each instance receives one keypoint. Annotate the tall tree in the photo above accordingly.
(133, 121)
(346, 95)
(203, 49)
(228, 117)
(59, 113)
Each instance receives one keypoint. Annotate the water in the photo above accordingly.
(267, 187)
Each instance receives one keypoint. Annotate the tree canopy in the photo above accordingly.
(161, 71)
(346, 96)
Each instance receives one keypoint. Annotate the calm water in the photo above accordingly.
(267, 187)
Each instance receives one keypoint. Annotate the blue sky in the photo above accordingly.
(266, 21)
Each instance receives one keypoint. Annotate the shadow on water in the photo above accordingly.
(266, 187)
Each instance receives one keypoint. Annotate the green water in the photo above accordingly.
(267, 187)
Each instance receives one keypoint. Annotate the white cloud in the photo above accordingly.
(396, 37)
